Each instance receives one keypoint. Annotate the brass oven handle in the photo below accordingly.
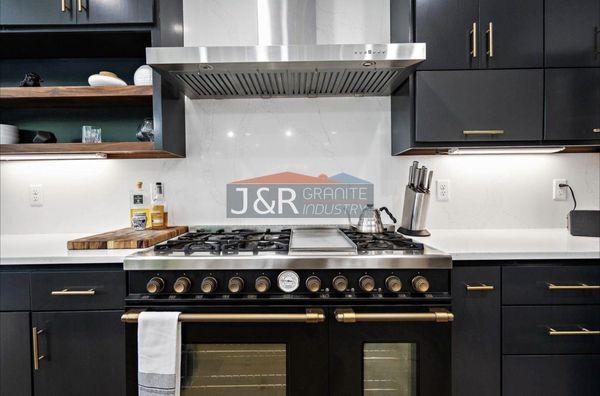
(310, 316)
(580, 286)
(484, 132)
(80, 6)
(64, 7)
(582, 331)
(67, 292)
(349, 316)
(480, 287)
(473, 34)
(36, 348)
(490, 34)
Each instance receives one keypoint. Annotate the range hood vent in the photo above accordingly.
(288, 62)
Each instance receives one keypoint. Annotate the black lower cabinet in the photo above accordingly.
(476, 331)
(551, 375)
(83, 353)
(15, 354)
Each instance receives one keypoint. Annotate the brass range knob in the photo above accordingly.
(366, 283)
(235, 284)
(182, 285)
(313, 284)
(208, 285)
(262, 284)
(340, 283)
(393, 284)
(155, 285)
(420, 284)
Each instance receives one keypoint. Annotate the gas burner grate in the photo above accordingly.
(382, 241)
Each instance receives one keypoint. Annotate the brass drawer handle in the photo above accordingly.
(36, 347)
(64, 7)
(581, 331)
(310, 316)
(490, 34)
(596, 130)
(349, 316)
(67, 292)
(473, 33)
(481, 287)
(580, 286)
(484, 132)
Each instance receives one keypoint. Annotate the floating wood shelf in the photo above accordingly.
(75, 96)
(112, 150)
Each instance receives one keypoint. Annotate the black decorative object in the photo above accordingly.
(44, 137)
(31, 80)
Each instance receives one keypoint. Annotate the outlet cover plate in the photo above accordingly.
(35, 195)
(559, 193)
(442, 190)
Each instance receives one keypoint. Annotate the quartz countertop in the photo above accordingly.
(23, 249)
(512, 244)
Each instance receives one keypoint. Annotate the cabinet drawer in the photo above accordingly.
(550, 330)
(77, 290)
(551, 285)
(551, 375)
(14, 291)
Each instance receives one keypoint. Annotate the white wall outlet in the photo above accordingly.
(35, 195)
(442, 191)
(559, 193)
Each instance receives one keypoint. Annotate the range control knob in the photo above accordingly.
(366, 283)
(262, 284)
(313, 284)
(155, 285)
(340, 283)
(420, 284)
(182, 285)
(393, 284)
(235, 284)
(208, 285)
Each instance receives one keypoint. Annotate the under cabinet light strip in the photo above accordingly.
(46, 157)
(505, 150)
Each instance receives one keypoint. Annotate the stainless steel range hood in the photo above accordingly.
(287, 62)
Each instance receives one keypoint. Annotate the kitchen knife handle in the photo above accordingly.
(473, 34)
(429, 180)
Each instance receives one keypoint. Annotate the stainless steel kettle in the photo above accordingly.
(370, 220)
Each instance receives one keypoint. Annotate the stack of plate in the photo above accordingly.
(9, 134)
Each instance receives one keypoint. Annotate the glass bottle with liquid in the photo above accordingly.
(159, 216)
(139, 207)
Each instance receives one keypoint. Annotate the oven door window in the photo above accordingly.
(390, 369)
(233, 369)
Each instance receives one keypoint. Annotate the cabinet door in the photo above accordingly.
(572, 33)
(479, 105)
(512, 33)
(114, 11)
(84, 353)
(476, 352)
(15, 354)
(445, 26)
(36, 12)
(572, 104)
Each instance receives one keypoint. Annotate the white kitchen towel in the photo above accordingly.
(159, 354)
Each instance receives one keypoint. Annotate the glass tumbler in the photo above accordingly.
(91, 134)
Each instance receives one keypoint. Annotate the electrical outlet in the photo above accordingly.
(559, 193)
(35, 195)
(442, 191)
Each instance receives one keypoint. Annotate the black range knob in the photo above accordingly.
(366, 283)
(393, 284)
(208, 285)
(262, 284)
(182, 285)
(155, 285)
(235, 284)
(340, 283)
(313, 284)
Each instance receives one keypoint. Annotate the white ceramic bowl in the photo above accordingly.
(143, 75)
(97, 80)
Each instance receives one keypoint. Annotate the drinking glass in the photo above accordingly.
(91, 134)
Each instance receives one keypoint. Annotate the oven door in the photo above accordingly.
(254, 351)
(391, 351)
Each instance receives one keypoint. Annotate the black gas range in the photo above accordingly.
(299, 310)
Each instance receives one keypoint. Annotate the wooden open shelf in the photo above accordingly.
(112, 150)
(75, 96)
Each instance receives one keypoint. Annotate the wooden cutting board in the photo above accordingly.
(126, 238)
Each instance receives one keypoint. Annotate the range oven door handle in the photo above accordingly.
(435, 315)
(309, 316)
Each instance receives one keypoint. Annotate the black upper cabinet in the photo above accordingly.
(572, 104)
(471, 34)
(572, 33)
(81, 12)
(479, 105)
(445, 26)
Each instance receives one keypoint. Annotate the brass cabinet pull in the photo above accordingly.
(349, 316)
(80, 6)
(64, 7)
(67, 292)
(596, 130)
(473, 34)
(310, 316)
(480, 287)
(580, 286)
(490, 34)
(484, 132)
(581, 331)
(36, 348)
